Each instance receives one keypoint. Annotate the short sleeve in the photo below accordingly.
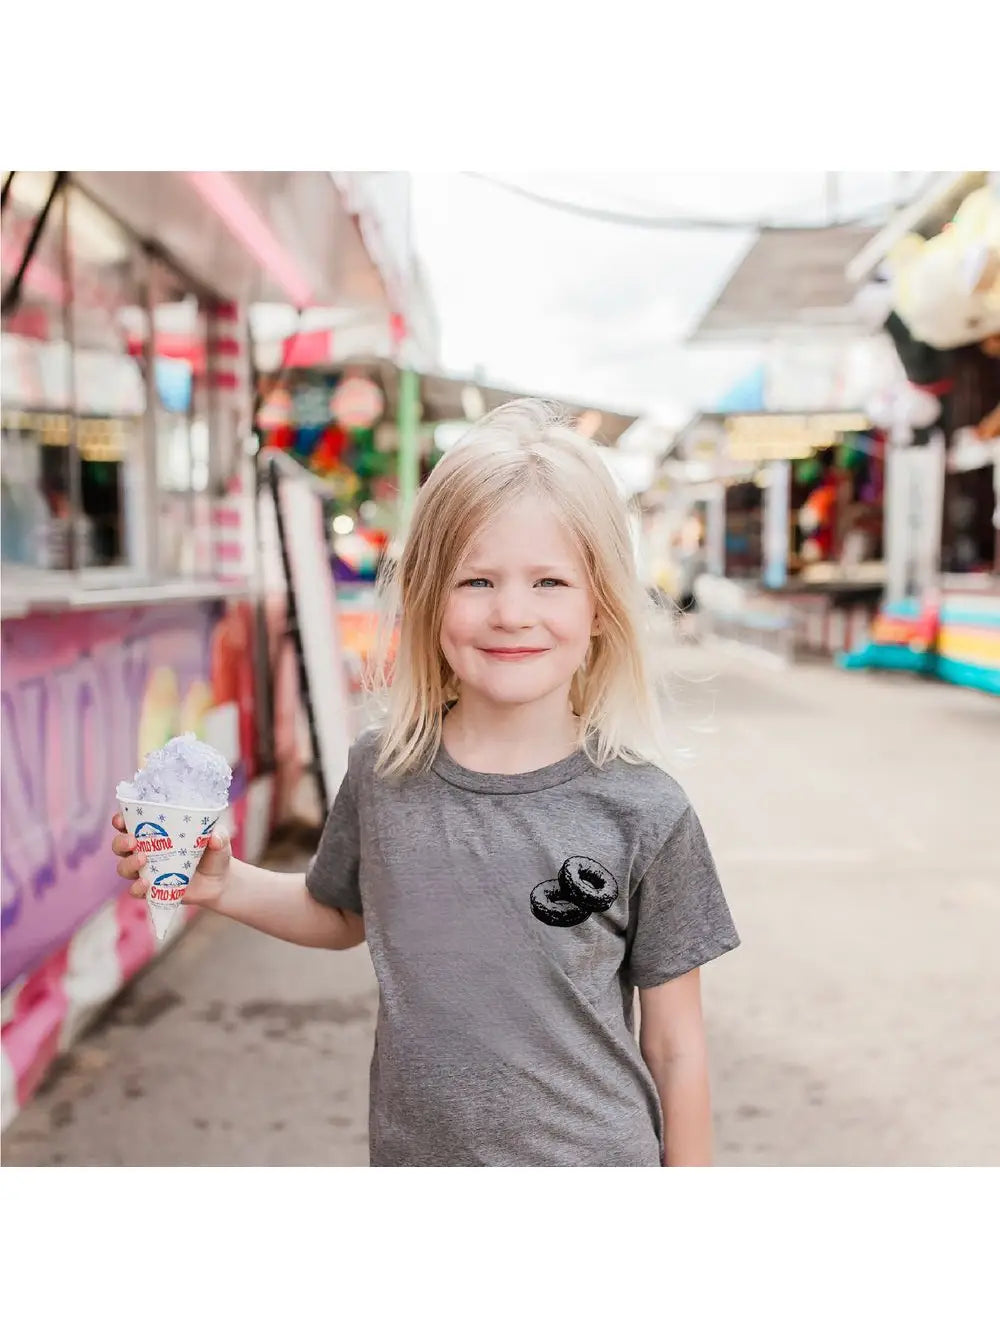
(333, 877)
(678, 915)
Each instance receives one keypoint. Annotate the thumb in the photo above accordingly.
(216, 857)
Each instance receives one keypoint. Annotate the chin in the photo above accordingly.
(514, 698)
(514, 692)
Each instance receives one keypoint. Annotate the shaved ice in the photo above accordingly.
(185, 772)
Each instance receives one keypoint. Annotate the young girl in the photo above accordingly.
(506, 843)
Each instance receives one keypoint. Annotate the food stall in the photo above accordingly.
(938, 272)
(793, 507)
(130, 590)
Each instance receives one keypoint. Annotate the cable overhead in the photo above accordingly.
(673, 222)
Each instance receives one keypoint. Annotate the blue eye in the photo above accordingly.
(552, 583)
(474, 583)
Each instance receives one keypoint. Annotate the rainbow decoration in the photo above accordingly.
(957, 641)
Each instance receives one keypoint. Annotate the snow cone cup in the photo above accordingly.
(173, 839)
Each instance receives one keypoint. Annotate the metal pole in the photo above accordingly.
(408, 418)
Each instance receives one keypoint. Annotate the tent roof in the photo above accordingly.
(792, 280)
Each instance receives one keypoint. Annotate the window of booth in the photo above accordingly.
(95, 475)
(115, 451)
(74, 388)
(180, 325)
(108, 330)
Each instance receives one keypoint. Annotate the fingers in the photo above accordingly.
(130, 862)
(129, 866)
(218, 841)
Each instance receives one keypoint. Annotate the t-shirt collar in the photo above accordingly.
(563, 770)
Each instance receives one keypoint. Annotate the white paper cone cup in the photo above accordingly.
(173, 838)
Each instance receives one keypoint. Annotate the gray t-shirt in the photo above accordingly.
(509, 918)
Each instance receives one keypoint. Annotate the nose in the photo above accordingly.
(512, 609)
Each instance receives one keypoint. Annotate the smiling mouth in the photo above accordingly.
(513, 654)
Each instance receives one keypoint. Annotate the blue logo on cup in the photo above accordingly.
(148, 830)
(172, 881)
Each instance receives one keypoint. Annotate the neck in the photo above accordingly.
(515, 738)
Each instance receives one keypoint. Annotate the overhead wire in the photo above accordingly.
(674, 221)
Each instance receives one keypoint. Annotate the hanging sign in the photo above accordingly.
(761, 437)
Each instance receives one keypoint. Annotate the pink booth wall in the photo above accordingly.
(85, 695)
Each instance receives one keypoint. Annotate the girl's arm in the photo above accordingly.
(672, 1042)
(281, 905)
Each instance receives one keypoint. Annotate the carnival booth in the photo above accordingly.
(940, 289)
(129, 592)
(798, 523)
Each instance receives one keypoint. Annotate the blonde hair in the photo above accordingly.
(524, 447)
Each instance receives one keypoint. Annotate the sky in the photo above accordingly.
(590, 310)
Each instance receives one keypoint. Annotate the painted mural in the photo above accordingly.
(85, 696)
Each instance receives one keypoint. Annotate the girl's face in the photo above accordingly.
(519, 616)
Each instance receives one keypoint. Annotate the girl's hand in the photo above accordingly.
(207, 883)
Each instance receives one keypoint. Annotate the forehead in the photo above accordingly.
(528, 531)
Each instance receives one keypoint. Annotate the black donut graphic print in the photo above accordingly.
(583, 887)
(549, 906)
(588, 883)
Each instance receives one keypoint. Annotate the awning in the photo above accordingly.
(793, 280)
(283, 236)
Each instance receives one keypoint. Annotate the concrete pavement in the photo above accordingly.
(854, 819)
